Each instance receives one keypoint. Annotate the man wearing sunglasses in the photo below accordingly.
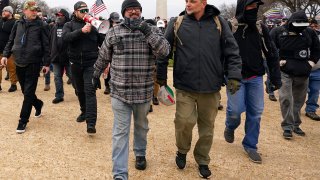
(29, 43)
(132, 48)
(83, 41)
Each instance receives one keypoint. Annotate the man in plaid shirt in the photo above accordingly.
(131, 47)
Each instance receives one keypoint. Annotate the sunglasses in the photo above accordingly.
(83, 11)
(130, 9)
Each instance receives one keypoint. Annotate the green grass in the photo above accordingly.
(170, 63)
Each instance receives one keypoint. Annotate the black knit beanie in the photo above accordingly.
(129, 3)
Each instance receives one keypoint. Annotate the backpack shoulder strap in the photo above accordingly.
(176, 27)
(218, 23)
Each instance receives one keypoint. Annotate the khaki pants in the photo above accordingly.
(11, 67)
(192, 108)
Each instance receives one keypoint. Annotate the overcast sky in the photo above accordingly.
(148, 6)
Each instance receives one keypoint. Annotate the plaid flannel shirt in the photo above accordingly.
(132, 56)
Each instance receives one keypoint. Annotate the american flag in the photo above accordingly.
(98, 7)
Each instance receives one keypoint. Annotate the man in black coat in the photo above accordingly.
(6, 24)
(83, 40)
(29, 44)
(254, 43)
(299, 51)
(59, 54)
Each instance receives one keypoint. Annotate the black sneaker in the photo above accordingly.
(38, 111)
(228, 135)
(272, 98)
(57, 100)
(12, 88)
(21, 127)
(254, 156)
(0, 88)
(81, 118)
(299, 131)
(287, 134)
(69, 81)
(181, 160)
(141, 162)
(313, 116)
(155, 101)
(91, 129)
(204, 171)
(150, 109)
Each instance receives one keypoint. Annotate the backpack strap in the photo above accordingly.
(175, 30)
(218, 23)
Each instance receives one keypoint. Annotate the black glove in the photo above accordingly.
(144, 28)
(233, 85)
(96, 83)
(271, 87)
(161, 82)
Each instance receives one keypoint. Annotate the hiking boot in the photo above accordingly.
(141, 162)
(313, 116)
(69, 81)
(272, 98)
(220, 107)
(107, 90)
(38, 114)
(181, 160)
(81, 117)
(151, 109)
(204, 171)
(228, 135)
(12, 88)
(47, 87)
(57, 100)
(91, 129)
(155, 101)
(287, 134)
(299, 131)
(21, 127)
(254, 156)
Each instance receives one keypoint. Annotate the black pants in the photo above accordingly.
(82, 79)
(28, 79)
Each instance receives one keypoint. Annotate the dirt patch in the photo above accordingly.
(55, 146)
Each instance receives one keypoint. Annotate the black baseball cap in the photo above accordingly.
(79, 5)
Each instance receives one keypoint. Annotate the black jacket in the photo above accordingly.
(29, 42)
(199, 61)
(5, 30)
(58, 48)
(252, 47)
(83, 48)
(290, 47)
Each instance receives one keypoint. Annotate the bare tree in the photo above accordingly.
(228, 11)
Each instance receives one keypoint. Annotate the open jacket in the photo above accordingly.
(29, 42)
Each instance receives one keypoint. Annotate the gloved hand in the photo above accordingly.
(233, 86)
(161, 82)
(96, 83)
(144, 28)
(272, 87)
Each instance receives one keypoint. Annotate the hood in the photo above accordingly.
(241, 5)
(210, 10)
(65, 13)
(298, 19)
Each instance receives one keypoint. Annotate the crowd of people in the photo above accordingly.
(209, 52)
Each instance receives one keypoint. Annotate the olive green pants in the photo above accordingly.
(192, 108)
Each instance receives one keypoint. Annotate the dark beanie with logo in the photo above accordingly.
(129, 3)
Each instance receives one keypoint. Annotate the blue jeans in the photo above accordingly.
(313, 91)
(248, 99)
(58, 70)
(121, 131)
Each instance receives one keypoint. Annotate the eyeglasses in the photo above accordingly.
(83, 11)
(136, 9)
